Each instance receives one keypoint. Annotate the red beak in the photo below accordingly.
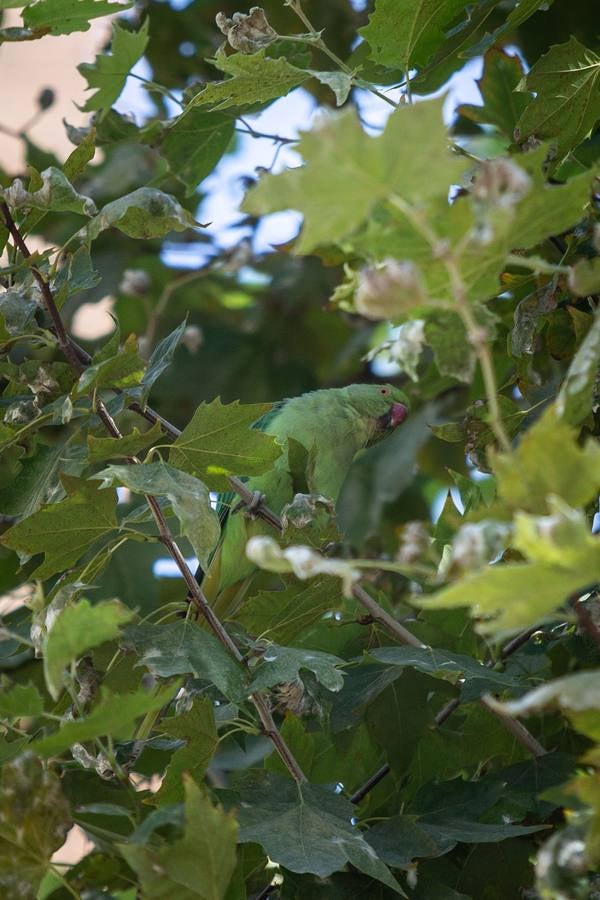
(395, 415)
(398, 413)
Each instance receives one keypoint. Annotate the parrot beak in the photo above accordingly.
(395, 416)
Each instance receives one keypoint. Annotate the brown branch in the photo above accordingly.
(62, 337)
(74, 356)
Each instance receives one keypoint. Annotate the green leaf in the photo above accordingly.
(479, 679)
(219, 442)
(339, 82)
(281, 615)
(125, 369)
(161, 358)
(563, 557)
(449, 56)
(566, 82)
(543, 210)
(76, 162)
(502, 105)
(188, 496)
(145, 213)
(584, 277)
(21, 700)
(446, 335)
(548, 461)
(17, 308)
(200, 864)
(194, 144)
(34, 821)
(67, 16)
(574, 401)
(402, 838)
(180, 648)
(77, 629)
(100, 449)
(113, 715)
(279, 665)
(515, 595)
(347, 172)
(110, 70)
(196, 727)
(256, 78)
(75, 275)
(55, 192)
(547, 207)
(63, 531)
(306, 828)
(523, 10)
(404, 34)
(38, 479)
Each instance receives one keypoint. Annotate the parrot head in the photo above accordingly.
(384, 405)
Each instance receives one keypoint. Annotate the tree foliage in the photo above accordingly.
(407, 701)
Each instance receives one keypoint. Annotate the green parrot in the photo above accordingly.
(331, 425)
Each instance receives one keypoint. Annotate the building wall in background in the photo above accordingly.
(26, 69)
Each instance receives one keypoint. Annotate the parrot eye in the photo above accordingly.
(384, 391)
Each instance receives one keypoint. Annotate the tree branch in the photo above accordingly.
(74, 356)
(61, 335)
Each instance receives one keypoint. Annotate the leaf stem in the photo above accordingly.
(476, 335)
(536, 264)
(314, 38)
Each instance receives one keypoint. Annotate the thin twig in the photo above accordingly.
(276, 138)
(70, 352)
(266, 892)
(383, 618)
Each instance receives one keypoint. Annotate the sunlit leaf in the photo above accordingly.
(566, 106)
(405, 34)
(67, 16)
(219, 441)
(255, 78)
(346, 172)
(110, 70)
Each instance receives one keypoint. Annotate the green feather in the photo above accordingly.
(332, 426)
